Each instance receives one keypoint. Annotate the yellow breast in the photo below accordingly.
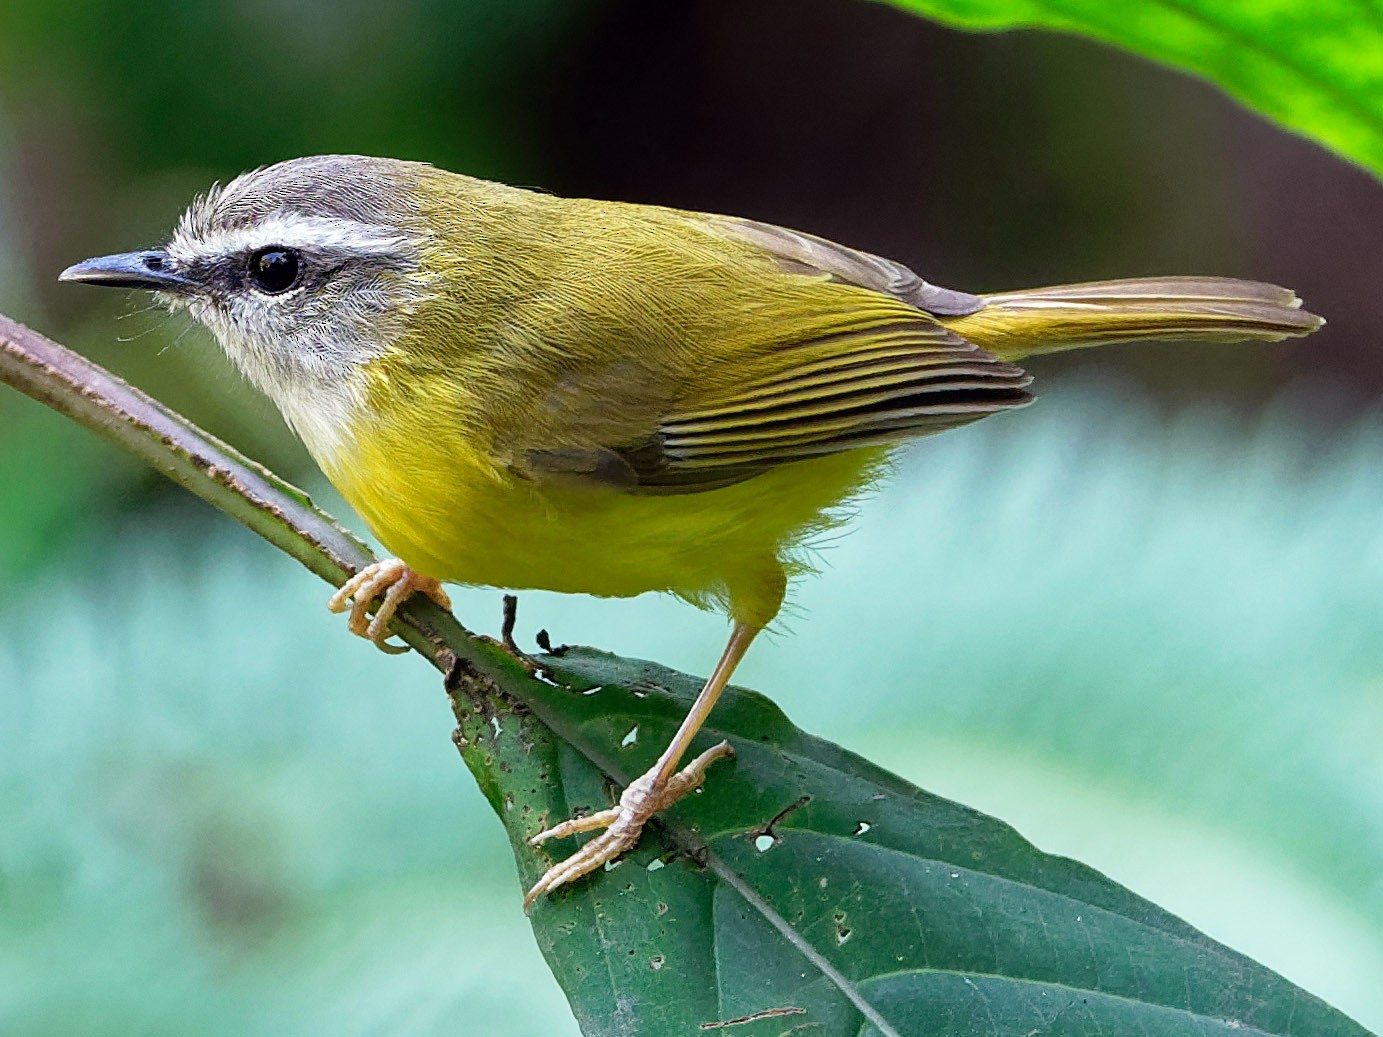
(450, 511)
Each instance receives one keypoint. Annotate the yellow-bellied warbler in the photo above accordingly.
(519, 390)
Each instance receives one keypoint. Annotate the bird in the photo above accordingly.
(520, 390)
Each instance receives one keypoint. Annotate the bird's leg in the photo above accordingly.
(396, 581)
(657, 789)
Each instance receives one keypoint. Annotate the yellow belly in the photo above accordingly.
(451, 514)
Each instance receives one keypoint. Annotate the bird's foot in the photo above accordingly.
(644, 797)
(395, 581)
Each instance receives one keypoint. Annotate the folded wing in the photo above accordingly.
(842, 392)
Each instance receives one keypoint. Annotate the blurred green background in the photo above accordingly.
(1142, 621)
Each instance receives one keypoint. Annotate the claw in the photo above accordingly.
(623, 823)
(396, 582)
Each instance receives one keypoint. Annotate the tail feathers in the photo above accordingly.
(1013, 325)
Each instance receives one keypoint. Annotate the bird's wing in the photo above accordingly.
(804, 348)
(856, 388)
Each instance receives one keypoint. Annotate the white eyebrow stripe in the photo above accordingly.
(292, 231)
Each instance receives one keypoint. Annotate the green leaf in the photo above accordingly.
(1314, 67)
(807, 890)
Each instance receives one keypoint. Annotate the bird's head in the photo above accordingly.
(302, 270)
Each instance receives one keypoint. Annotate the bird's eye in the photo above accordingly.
(274, 270)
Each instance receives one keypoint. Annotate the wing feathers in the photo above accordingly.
(905, 424)
(797, 410)
(872, 372)
(906, 380)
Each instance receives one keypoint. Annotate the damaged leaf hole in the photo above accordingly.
(631, 738)
(864, 826)
(842, 930)
(592, 691)
(769, 1013)
(656, 864)
(640, 688)
(656, 962)
(766, 838)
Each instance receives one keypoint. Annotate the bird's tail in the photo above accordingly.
(1013, 325)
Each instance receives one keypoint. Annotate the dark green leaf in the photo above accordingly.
(811, 885)
(1315, 67)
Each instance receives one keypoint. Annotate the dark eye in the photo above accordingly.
(274, 270)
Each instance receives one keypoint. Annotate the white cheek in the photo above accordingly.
(322, 417)
(313, 382)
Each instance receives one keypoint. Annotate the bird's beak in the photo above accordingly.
(152, 270)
